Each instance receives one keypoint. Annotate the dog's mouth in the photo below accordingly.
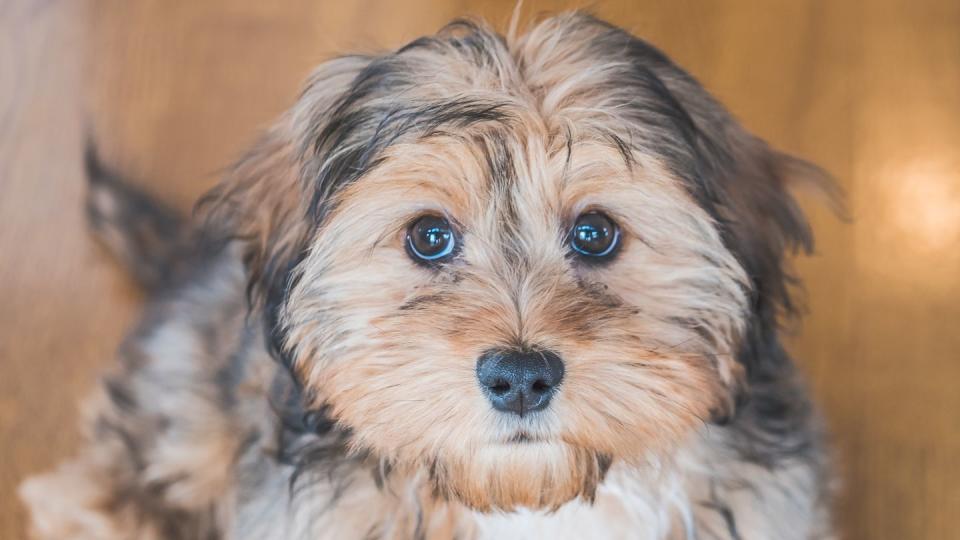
(520, 471)
(523, 437)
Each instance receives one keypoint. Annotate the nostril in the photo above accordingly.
(500, 386)
(540, 386)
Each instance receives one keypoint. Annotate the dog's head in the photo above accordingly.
(509, 261)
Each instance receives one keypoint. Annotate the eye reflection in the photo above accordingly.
(595, 236)
(431, 240)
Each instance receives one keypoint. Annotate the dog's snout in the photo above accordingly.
(519, 382)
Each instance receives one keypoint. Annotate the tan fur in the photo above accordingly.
(634, 384)
(387, 349)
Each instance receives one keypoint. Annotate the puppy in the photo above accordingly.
(479, 287)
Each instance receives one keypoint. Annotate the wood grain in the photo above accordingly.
(175, 90)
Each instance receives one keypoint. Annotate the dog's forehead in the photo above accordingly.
(517, 108)
(498, 169)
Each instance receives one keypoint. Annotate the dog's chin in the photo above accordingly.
(533, 475)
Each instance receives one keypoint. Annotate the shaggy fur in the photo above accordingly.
(298, 376)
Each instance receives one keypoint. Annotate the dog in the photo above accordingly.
(483, 286)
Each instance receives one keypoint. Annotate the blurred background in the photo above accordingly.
(175, 90)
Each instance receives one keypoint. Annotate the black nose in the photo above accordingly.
(519, 382)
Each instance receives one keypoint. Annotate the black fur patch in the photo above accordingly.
(739, 181)
(141, 232)
(365, 129)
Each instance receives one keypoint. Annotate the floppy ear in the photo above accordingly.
(259, 206)
(763, 225)
(762, 222)
(746, 186)
(263, 202)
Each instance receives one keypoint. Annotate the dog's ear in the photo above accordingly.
(259, 205)
(763, 226)
(265, 203)
(746, 186)
(761, 221)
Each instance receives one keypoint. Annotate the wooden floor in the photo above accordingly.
(174, 91)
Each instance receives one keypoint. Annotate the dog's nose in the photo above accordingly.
(519, 382)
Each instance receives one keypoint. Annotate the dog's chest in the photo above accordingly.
(624, 508)
(693, 498)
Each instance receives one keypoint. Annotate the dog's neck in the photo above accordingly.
(705, 486)
(401, 502)
(353, 502)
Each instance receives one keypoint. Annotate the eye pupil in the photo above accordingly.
(431, 240)
(595, 235)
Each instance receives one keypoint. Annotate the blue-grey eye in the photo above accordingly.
(431, 240)
(595, 236)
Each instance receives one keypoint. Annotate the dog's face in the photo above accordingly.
(453, 268)
(508, 263)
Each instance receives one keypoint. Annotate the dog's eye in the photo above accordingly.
(431, 240)
(595, 236)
